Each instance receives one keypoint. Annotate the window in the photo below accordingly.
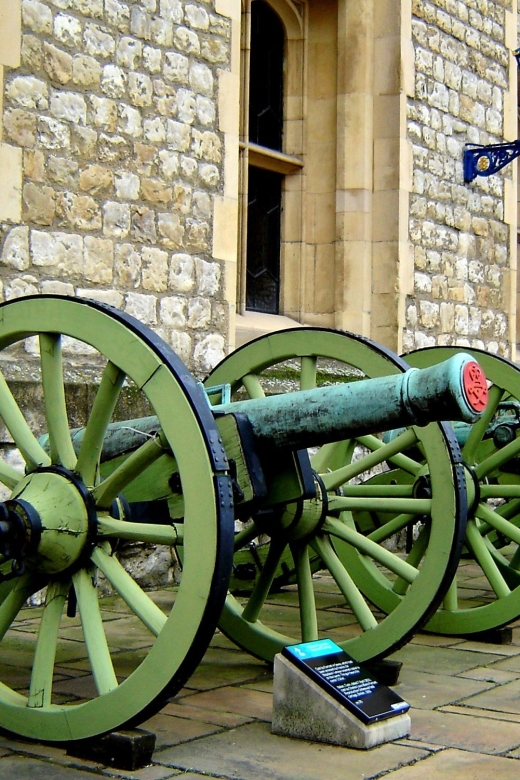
(263, 240)
(265, 164)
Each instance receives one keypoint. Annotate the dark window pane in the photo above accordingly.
(263, 240)
(266, 77)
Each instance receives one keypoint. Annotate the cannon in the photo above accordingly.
(490, 454)
(285, 468)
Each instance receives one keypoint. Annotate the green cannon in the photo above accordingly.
(209, 474)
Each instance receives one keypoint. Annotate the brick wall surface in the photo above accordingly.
(115, 108)
(458, 232)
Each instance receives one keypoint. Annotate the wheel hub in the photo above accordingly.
(302, 518)
(55, 511)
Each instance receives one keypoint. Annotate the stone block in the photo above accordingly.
(127, 265)
(10, 183)
(301, 709)
(36, 16)
(126, 749)
(67, 30)
(15, 252)
(57, 63)
(225, 229)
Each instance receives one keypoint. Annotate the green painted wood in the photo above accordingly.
(368, 547)
(128, 471)
(498, 506)
(108, 527)
(139, 602)
(93, 631)
(43, 666)
(261, 590)
(102, 411)
(381, 453)
(303, 572)
(30, 449)
(131, 351)
(353, 596)
(248, 371)
(61, 449)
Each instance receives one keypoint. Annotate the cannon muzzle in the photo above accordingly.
(453, 390)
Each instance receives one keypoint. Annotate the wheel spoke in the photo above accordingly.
(138, 601)
(411, 506)
(8, 476)
(32, 452)
(497, 459)
(509, 510)
(380, 453)
(485, 559)
(14, 596)
(366, 546)
(265, 579)
(308, 615)
(351, 593)
(308, 373)
(414, 558)
(108, 527)
(128, 470)
(252, 385)
(451, 600)
(60, 443)
(404, 462)
(45, 653)
(102, 410)
(499, 491)
(393, 526)
(245, 536)
(93, 631)
(369, 490)
(503, 526)
(479, 428)
(333, 455)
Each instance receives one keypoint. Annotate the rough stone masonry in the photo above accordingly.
(459, 234)
(115, 108)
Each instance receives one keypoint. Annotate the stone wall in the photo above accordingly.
(460, 232)
(115, 107)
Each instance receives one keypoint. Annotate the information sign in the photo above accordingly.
(351, 685)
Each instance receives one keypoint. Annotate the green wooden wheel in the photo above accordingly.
(61, 524)
(301, 359)
(486, 592)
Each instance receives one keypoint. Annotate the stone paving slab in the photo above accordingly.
(465, 715)
(428, 691)
(489, 674)
(452, 660)
(22, 768)
(243, 701)
(252, 753)
(491, 715)
(459, 765)
(505, 698)
(462, 731)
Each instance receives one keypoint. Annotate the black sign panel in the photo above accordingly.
(344, 679)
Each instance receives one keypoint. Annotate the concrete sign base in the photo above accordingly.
(302, 709)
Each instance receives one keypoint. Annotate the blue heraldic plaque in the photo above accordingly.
(344, 679)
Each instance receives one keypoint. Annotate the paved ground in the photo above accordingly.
(465, 699)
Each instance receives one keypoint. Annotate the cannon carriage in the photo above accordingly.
(185, 474)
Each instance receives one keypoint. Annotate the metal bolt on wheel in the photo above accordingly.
(61, 524)
(352, 555)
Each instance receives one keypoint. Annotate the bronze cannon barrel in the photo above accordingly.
(453, 390)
